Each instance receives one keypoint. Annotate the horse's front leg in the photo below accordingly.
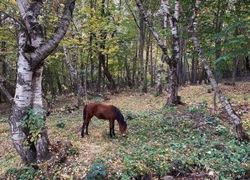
(111, 128)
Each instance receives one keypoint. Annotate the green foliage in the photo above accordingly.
(72, 151)
(201, 107)
(34, 123)
(97, 171)
(172, 145)
(130, 115)
(25, 173)
(60, 124)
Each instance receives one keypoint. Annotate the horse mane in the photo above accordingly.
(119, 117)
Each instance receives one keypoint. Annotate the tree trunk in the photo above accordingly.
(75, 77)
(141, 47)
(174, 99)
(233, 117)
(145, 80)
(33, 147)
(235, 68)
(151, 66)
(159, 80)
(172, 19)
(194, 68)
(128, 74)
(134, 67)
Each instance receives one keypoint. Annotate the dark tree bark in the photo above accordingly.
(194, 68)
(145, 80)
(151, 66)
(4, 90)
(102, 56)
(128, 73)
(134, 67)
(141, 46)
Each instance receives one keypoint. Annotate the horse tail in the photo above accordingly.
(119, 117)
(84, 112)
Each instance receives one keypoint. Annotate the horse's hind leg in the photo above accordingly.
(88, 118)
(83, 126)
(87, 128)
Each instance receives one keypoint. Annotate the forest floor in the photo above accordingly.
(190, 140)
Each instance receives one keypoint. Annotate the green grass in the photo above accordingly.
(171, 145)
(167, 141)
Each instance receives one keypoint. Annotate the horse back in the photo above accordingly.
(101, 111)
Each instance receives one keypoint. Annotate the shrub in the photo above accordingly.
(97, 171)
(25, 173)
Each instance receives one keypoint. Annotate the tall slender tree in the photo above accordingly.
(172, 21)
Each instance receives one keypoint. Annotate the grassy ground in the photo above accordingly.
(183, 141)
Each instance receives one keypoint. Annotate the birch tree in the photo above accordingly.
(169, 21)
(233, 117)
(27, 119)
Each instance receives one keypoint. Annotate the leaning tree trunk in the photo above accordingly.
(233, 117)
(27, 107)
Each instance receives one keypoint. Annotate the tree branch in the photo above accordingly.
(5, 16)
(44, 51)
(132, 13)
(156, 35)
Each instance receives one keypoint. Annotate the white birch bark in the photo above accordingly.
(28, 94)
(233, 117)
(172, 20)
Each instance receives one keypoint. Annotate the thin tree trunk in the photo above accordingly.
(4, 90)
(128, 74)
(233, 117)
(145, 81)
(75, 77)
(158, 80)
(134, 67)
(151, 66)
(141, 47)
(235, 68)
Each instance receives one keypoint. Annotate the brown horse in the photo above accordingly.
(106, 112)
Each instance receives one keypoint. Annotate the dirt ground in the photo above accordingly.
(98, 144)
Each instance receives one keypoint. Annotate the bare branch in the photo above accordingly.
(156, 35)
(5, 16)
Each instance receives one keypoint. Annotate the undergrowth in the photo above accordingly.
(163, 142)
